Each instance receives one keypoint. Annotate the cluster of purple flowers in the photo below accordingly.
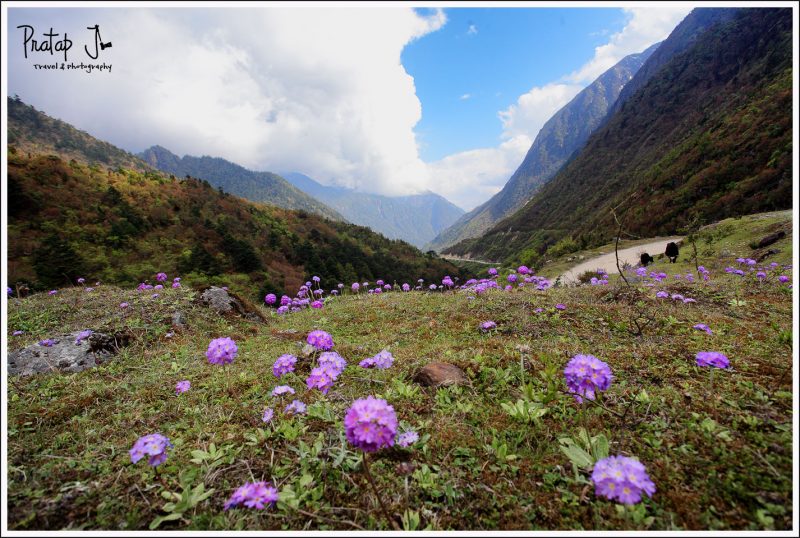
(586, 374)
(623, 479)
(282, 389)
(182, 386)
(381, 360)
(256, 495)
(83, 335)
(703, 327)
(331, 365)
(221, 351)
(296, 408)
(283, 365)
(602, 278)
(46, 343)
(154, 445)
(487, 326)
(407, 438)
(370, 424)
(320, 340)
(714, 359)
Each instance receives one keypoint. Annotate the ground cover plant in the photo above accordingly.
(663, 402)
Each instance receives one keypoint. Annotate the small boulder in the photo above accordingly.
(771, 238)
(178, 320)
(64, 355)
(218, 299)
(439, 374)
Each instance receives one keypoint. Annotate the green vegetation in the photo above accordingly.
(707, 138)
(123, 226)
(511, 450)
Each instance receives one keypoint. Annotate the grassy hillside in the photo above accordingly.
(708, 137)
(255, 186)
(718, 449)
(120, 226)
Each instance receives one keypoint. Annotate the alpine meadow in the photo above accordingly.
(317, 268)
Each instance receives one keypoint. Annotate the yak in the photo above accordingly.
(646, 259)
(671, 252)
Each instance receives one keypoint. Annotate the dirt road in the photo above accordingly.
(608, 261)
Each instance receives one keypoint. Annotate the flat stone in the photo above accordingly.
(64, 355)
(438, 374)
(218, 299)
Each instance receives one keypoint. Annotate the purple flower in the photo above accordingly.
(161, 277)
(523, 270)
(320, 340)
(154, 295)
(158, 287)
(703, 327)
(124, 305)
(447, 281)
(83, 335)
(333, 362)
(622, 479)
(560, 306)
(283, 365)
(355, 286)
(18, 333)
(282, 310)
(317, 304)
(379, 282)
(321, 378)
(432, 287)
(46, 343)
(52, 292)
(585, 374)
(282, 389)
(154, 445)
(89, 289)
(256, 495)
(512, 278)
(296, 407)
(382, 361)
(408, 438)
(315, 278)
(268, 414)
(285, 300)
(487, 326)
(712, 358)
(182, 386)
(387, 287)
(176, 284)
(538, 310)
(221, 351)
(689, 300)
(270, 298)
(662, 294)
(677, 297)
(492, 271)
(9, 290)
(783, 278)
(81, 280)
(370, 424)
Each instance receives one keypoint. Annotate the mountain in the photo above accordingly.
(560, 137)
(256, 186)
(415, 218)
(68, 218)
(709, 136)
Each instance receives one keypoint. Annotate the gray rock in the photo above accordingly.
(178, 320)
(64, 355)
(218, 299)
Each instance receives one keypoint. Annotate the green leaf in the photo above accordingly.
(161, 519)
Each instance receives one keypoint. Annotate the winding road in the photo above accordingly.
(608, 261)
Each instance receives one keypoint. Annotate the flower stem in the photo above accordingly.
(377, 493)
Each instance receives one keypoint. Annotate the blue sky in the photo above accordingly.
(484, 58)
(382, 98)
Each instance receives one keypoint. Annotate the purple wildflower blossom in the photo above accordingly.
(81, 280)
(585, 374)
(561, 306)
(282, 389)
(662, 294)
(622, 479)
(512, 278)
(283, 365)
(406, 287)
(270, 298)
(382, 360)
(317, 304)
(370, 424)
(221, 351)
(256, 495)
(154, 445)
(333, 361)
(703, 327)
(46, 343)
(182, 386)
(83, 335)
(296, 408)
(321, 378)
(124, 305)
(52, 292)
(268, 414)
(408, 438)
(487, 326)
(712, 358)
(161, 277)
(18, 333)
(320, 340)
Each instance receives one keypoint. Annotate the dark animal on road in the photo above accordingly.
(671, 252)
(646, 259)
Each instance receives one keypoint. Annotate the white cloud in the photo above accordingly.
(533, 109)
(472, 30)
(465, 96)
(646, 25)
(319, 90)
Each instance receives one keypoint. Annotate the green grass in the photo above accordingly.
(720, 459)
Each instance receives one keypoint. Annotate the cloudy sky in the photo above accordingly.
(393, 100)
